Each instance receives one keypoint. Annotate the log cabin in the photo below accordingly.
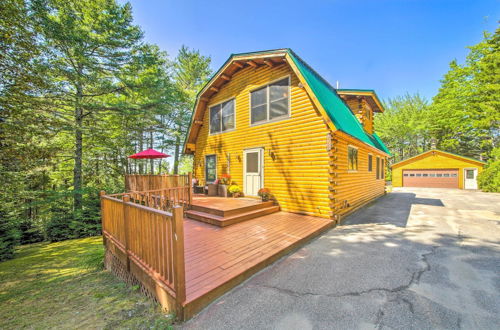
(269, 120)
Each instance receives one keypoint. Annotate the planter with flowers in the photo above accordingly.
(234, 190)
(265, 194)
(223, 184)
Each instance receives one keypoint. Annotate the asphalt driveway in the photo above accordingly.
(415, 259)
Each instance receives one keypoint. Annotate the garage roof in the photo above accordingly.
(443, 153)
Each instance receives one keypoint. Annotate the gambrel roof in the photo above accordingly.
(336, 113)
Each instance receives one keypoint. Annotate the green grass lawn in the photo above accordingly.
(63, 285)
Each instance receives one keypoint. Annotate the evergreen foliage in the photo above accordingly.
(80, 91)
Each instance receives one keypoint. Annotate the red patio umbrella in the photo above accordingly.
(149, 154)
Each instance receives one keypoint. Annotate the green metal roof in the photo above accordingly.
(340, 114)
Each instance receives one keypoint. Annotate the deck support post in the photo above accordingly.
(178, 257)
(126, 200)
(102, 193)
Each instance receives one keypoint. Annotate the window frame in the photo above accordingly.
(210, 113)
(382, 168)
(349, 161)
(266, 86)
(370, 162)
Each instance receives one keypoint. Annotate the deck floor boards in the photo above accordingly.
(216, 255)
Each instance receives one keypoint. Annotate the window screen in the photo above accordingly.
(270, 102)
(222, 117)
(252, 162)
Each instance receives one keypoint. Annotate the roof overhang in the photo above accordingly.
(439, 152)
(367, 94)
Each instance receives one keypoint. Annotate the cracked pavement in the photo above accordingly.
(414, 259)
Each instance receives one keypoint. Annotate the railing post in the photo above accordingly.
(126, 200)
(190, 191)
(178, 255)
(102, 193)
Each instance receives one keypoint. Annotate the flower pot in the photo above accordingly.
(265, 198)
(222, 190)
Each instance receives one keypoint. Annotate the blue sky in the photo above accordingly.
(393, 46)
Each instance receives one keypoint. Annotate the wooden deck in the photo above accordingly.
(186, 264)
(218, 259)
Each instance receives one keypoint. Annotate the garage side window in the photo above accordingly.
(352, 156)
(370, 163)
(377, 168)
(382, 169)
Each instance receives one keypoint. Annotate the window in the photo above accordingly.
(378, 168)
(454, 175)
(446, 175)
(425, 175)
(412, 174)
(382, 169)
(406, 174)
(370, 163)
(418, 174)
(352, 157)
(439, 175)
(469, 174)
(222, 117)
(270, 102)
(432, 175)
(210, 168)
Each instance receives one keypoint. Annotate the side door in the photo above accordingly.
(253, 173)
(470, 178)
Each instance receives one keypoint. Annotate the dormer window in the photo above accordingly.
(222, 117)
(270, 102)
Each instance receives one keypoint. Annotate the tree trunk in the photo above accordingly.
(141, 144)
(177, 150)
(77, 170)
(151, 161)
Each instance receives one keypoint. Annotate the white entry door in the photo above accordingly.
(470, 178)
(253, 171)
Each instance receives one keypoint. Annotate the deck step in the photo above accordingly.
(221, 221)
(233, 211)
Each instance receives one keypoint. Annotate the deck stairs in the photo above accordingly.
(225, 217)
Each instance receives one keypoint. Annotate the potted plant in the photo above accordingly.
(265, 194)
(223, 183)
(234, 190)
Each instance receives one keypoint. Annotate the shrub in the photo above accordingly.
(489, 179)
(9, 238)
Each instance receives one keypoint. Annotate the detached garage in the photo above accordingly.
(437, 169)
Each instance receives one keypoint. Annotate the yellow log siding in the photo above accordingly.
(295, 155)
(434, 161)
(360, 109)
(351, 189)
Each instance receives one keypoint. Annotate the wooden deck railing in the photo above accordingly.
(151, 241)
(146, 182)
(161, 199)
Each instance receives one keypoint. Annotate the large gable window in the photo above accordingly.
(222, 117)
(270, 102)
(352, 157)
